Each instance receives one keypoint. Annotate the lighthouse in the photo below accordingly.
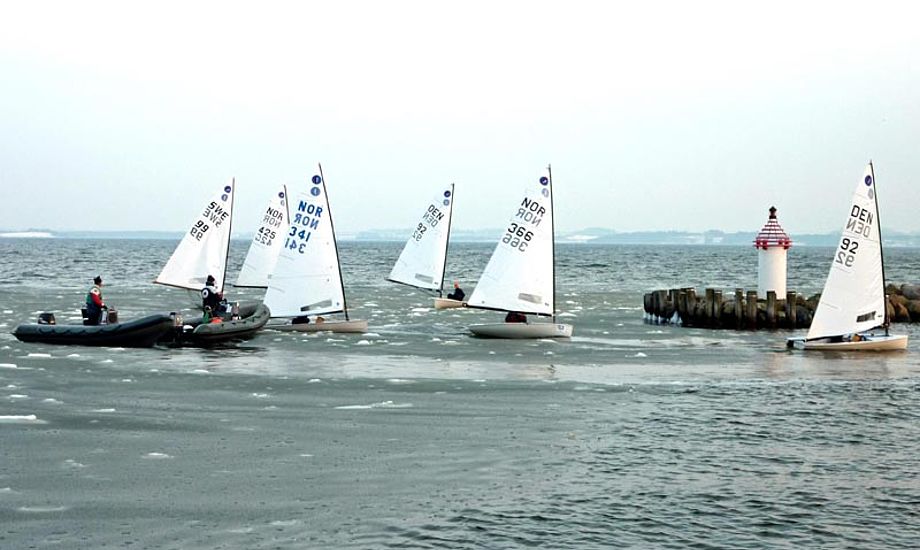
(771, 244)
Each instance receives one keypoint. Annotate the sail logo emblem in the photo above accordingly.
(227, 189)
(446, 202)
(545, 192)
(446, 193)
(223, 198)
(280, 194)
(314, 191)
(544, 180)
(317, 180)
(868, 181)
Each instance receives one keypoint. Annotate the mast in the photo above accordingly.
(223, 278)
(552, 240)
(335, 243)
(447, 243)
(881, 253)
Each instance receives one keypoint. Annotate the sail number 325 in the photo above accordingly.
(517, 236)
(847, 253)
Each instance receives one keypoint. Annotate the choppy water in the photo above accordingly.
(417, 436)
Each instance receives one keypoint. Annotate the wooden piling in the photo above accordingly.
(771, 308)
(739, 308)
(717, 309)
(751, 306)
(707, 306)
(791, 310)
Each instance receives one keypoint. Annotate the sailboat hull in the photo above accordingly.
(447, 303)
(353, 326)
(522, 330)
(892, 342)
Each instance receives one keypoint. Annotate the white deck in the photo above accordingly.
(447, 303)
(354, 325)
(870, 343)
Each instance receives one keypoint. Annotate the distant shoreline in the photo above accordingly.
(488, 236)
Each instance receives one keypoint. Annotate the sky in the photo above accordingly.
(688, 116)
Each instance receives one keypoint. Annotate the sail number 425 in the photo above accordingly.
(518, 237)
(847, 253)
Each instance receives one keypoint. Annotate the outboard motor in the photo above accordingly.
(46, 318)
(112, 316)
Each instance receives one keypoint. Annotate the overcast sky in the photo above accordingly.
(654, 115)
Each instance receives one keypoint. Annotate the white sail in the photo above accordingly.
(853, 299)
(266, 244)
(519, 275)
(203, 250)
(421, 263)
(306, 279)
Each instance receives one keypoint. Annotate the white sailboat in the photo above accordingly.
(204, 248)
(520, 275)
(853, 302)
(307, 279)
(266, 244)
(424, 258)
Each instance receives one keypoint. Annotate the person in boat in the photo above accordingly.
(302, 320)
(457, 294)
(95, 306)
(210, 299)
(515, 317)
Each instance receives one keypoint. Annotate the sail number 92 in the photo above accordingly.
(518, 237)
(847, 253)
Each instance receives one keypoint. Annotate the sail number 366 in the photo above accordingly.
(518, 237)
(847, 253)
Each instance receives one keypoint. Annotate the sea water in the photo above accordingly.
(415, 435)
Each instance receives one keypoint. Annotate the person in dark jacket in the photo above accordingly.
(211, 297)
(515, 317)
(458, 293)
(95, 306)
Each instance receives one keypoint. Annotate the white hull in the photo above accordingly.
(872, 343)
(354, 326)
(447, 303)
(522, 330)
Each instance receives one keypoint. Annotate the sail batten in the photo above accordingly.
(853, 299)
(203, 250)
(422, 261)
(519, 275)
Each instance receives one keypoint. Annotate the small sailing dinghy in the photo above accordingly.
(266, 244)
(202, 252)
(520, 275)
(424, 258)
(853, 302)
(307, 281)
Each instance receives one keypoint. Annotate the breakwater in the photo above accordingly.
(743, 310)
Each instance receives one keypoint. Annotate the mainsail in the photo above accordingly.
(854, 293)
(306, 279)
(519, 275)
(266, 244)
(421, 263)
(203, 250)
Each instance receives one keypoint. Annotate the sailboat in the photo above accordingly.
(266, 244)
(520, 275)
(202, 252)
(424, 258)
(307, 279)
(853, 301)
(204, 249)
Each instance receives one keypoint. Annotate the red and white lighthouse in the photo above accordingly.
(772, 243)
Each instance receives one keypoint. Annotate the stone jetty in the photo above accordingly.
(743, 310)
